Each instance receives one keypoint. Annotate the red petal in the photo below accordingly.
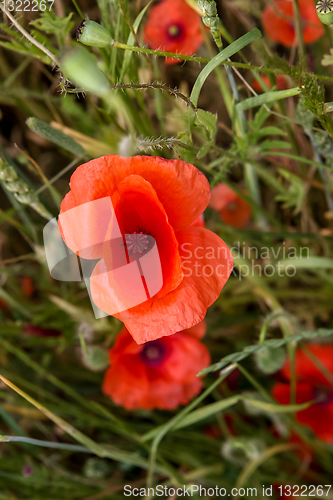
(127, 387)
(277, 28)
(181, 188)
(197, 331)
(202, 252)
(306, 370)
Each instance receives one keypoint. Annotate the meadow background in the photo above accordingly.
(275, 152)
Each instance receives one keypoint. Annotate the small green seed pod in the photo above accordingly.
(324, 10)
(93, 34)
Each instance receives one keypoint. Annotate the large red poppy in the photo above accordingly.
(234, 211)
(173, 26)
(311, 385)
(153, 199)
(280, 29)
(159, 374)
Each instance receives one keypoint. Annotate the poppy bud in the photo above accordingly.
(270, 360)
(96, 468)
(324, 10)
(81, 67)
(93, 34)
(240, 450)
(95, 358)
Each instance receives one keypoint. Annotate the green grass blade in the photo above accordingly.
(219, 59)
(267, 97)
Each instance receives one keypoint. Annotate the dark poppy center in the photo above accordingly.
(153, 353)
(232, 206)
(138, 243)
(323, 394)
(175, 31)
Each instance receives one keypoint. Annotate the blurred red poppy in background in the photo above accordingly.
(234, 211)
(281, 83)
(173, 26)
(311, 385)
(27, 285)
(152, 199)
(159, 374)
(278, 23)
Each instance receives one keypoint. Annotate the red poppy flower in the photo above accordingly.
(234, 211)
(280, 29)
(159, 374)
(281, 83)
(153, 201)
(173, 26)
(311, 385)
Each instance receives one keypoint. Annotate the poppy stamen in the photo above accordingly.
(137, 242)
(153, 353)
(174, 31)
(323, 394)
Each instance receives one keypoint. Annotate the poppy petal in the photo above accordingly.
(207, 263)
(181, 188)
(126, 387)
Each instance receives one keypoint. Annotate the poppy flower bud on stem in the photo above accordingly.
(80, 67)
(270, 360)
(324, 10)
(93, 34)
(94, 357)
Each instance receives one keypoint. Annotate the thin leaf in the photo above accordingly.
(229, 51)
(266, 98)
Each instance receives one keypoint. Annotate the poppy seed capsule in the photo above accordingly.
(324, 10)
(93, 34)
(270, 360)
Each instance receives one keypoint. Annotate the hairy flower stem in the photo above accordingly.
(30, 38)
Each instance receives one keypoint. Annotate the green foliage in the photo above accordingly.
(53, 413)
(53, 135)
(271, 344)
(54, 25)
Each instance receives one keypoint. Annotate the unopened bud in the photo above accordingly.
(95, 358)
(96, 468)
(93, 34)
(240, 450)
(80, 67)
(270, 360)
